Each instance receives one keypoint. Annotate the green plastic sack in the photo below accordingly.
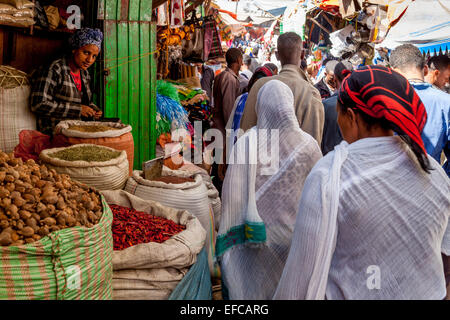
(73, 263)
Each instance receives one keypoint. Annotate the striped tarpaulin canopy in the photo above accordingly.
(436, 47)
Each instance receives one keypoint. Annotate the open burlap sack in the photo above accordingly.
(106, 175)
(190, 196)
(151, 271)
(190, 170)
(120, 139)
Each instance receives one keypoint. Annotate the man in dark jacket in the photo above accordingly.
(327, 86)
(207, 80)
(331, 133)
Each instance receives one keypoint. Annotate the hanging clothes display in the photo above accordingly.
(176, 13)
(212, 41)
(162, 15)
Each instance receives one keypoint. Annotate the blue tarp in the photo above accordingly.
(435, 47)
(196, 284)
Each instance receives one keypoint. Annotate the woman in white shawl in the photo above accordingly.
(373, 217)
(260, 199)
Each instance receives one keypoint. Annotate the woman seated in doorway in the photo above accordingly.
(62, 91)
(373, 217)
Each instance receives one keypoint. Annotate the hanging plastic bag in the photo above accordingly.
(32, 143)
(52, 16)
(193, 48)
(41, 17)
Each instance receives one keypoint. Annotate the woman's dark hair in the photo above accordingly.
(387, 125)
(303, 65)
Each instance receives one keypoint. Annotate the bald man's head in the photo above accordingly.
(289, 48)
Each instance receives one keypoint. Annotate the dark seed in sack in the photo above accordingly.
(131, 227)
(35, 201)
(86, 153)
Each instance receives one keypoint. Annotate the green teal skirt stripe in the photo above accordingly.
(252, 232)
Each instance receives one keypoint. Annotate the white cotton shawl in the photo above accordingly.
(371, 225)
(250, 197)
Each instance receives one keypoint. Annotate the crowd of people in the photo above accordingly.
(363, 181)
(362, 189)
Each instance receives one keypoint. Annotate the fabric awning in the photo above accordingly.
(236, 26)
(426, 24)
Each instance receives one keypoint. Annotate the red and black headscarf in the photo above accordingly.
(259, 73)
(381, 92)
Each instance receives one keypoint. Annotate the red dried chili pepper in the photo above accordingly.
(131, 227)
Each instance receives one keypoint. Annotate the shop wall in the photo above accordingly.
(130, 70)
(29, 48)
(26, 52)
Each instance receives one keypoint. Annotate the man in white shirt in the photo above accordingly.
(245, 75)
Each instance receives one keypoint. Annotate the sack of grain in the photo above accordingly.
(191, 196)
(7, 9)
(99, 167)
(151, 271)
(15, 114)
(69, 264)
(19, 4)
(13, 21)
(109, 134)
(189, 170)
(26, 13)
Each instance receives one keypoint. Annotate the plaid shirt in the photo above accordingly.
(55, 97)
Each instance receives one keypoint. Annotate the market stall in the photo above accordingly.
(354, 30)
(61, 191)
(187, 47)
(363, 31)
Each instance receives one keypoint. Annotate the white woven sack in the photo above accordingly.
(63, 128)
(106, 175)
(189, 170)
(150, 271)
(190, 196)
(146, 284)
(15, 116)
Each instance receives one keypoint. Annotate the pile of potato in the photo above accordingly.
(35, 201)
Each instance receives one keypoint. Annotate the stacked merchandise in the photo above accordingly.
(195, 102)
(172, 123)
(55, 14)
(170, 114)
(16, 13)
